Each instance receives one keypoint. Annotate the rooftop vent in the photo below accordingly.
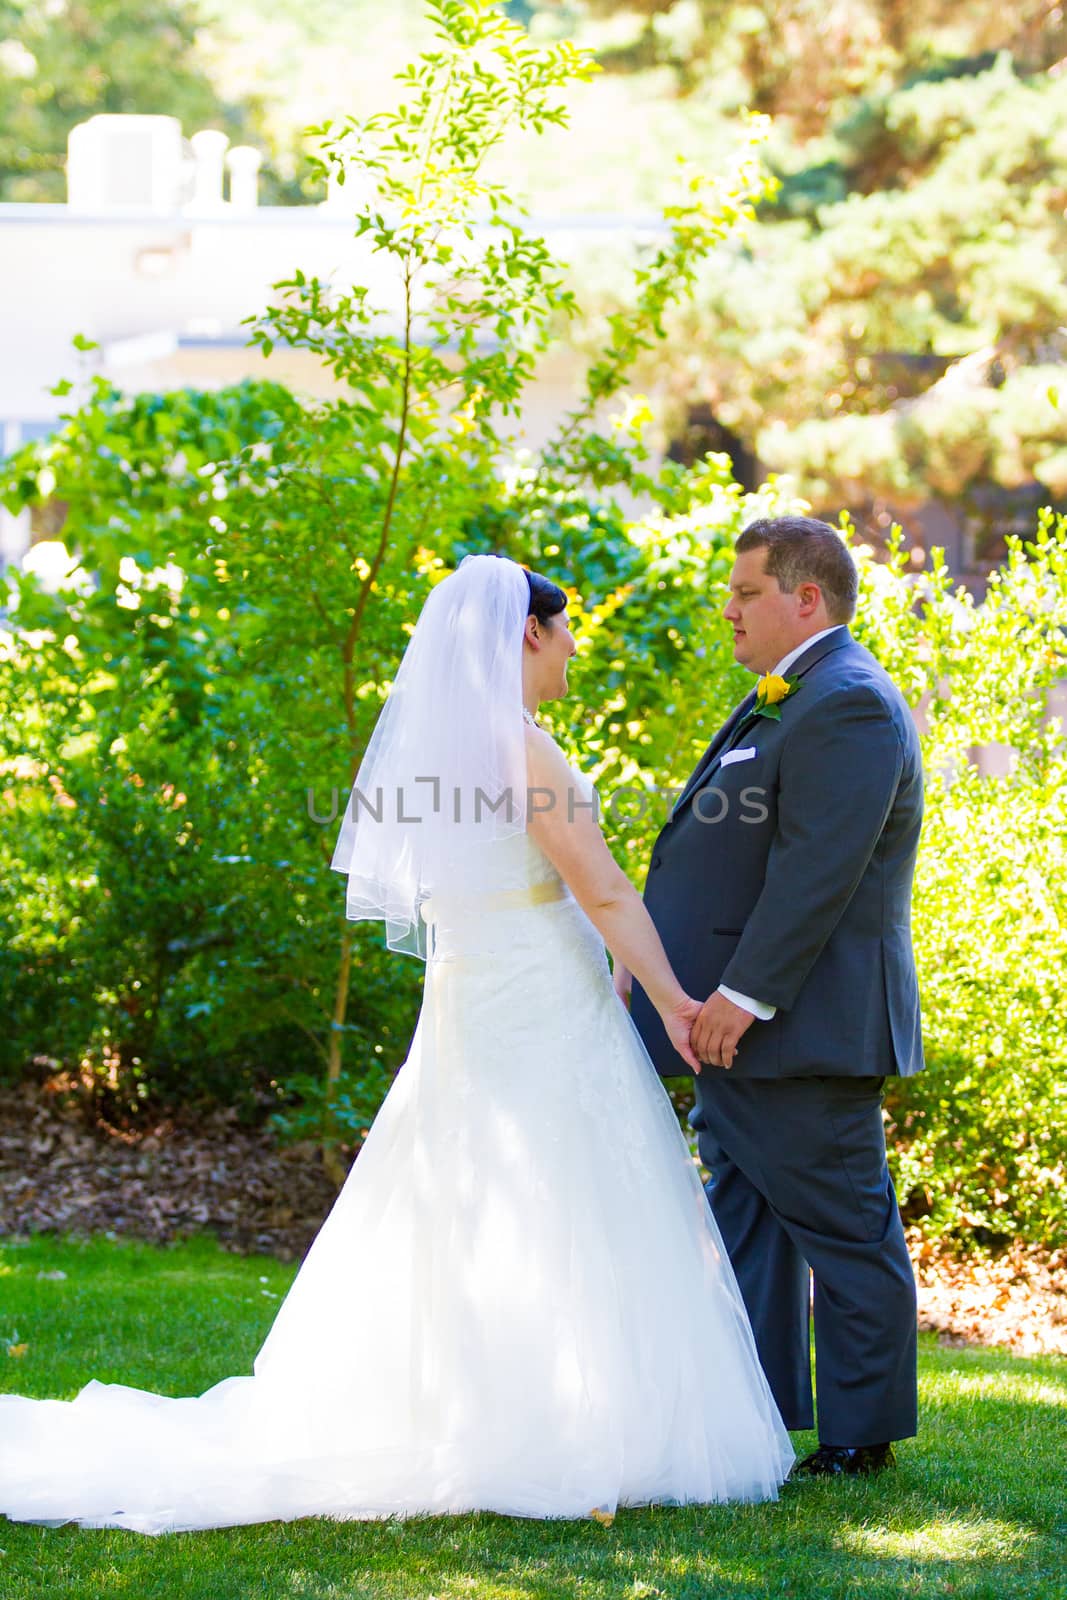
(126, 163)
(123, 162)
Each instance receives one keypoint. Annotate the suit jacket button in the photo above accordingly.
(656, 860)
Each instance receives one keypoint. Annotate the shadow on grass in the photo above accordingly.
(975, 1510)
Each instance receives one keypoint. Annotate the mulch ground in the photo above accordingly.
(59, 1174)
(1017, 1298)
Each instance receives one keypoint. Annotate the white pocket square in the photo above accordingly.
(739, 755)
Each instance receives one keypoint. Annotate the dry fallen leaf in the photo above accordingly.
(17, 1349)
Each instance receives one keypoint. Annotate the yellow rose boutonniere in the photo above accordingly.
(771, 691)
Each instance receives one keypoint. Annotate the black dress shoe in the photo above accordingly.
(845, 1461)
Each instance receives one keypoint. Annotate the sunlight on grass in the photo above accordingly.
(941, 1539)
(1002, 1386)
(975, 1511)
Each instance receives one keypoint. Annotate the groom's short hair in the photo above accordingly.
(805, 550)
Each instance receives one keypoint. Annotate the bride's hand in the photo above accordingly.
(622, 981)
(678, 1022)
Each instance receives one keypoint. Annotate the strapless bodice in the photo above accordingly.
(482, 908)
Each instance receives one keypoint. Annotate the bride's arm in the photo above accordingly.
(563, 825)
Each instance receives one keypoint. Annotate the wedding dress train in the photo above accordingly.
(519, 1302)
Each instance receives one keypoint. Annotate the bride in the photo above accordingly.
(520, 1301)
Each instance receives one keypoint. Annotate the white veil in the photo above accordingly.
(444, 773)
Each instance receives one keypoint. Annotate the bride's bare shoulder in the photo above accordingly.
(541, 749)
(547, 767)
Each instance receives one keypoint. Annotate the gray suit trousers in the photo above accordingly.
(799, 1180)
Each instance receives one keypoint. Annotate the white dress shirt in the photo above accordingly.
(759, 1008)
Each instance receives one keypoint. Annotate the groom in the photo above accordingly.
(781, 888)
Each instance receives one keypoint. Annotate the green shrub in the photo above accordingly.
(169, 922)
(981, 1137)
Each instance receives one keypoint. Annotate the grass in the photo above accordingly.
(977, 1509)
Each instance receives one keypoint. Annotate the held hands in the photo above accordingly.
(718, 1029)
(678, 1019)
(678, 1023)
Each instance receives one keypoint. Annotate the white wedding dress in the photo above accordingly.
(519, 1302)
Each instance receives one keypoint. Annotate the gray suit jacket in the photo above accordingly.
(787, 875)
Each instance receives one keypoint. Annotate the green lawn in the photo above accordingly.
(978, 1506)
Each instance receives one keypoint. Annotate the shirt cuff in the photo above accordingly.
(758, 1008)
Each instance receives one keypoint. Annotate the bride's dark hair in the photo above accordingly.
(547, 599)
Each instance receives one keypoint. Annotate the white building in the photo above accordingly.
(157, 263)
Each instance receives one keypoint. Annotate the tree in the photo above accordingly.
(879, 340)
(891, 331)
(474, 308)
(907, 344)
(308, 535)
(803, 62)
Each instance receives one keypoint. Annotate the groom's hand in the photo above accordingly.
(717, 1030)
